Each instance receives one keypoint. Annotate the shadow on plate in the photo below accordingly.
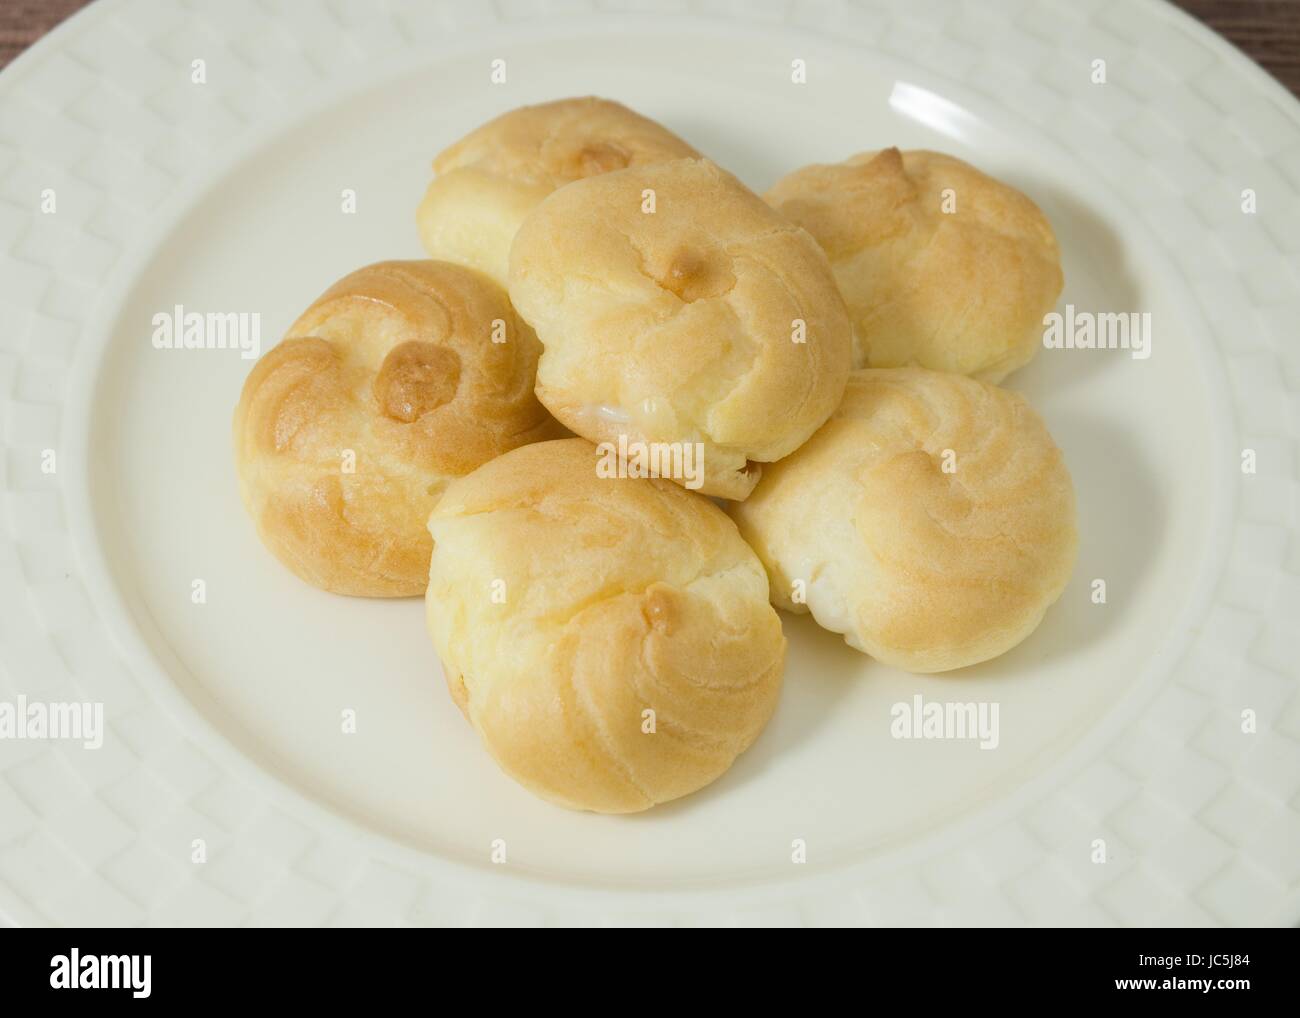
(1122, 517)
(1097, 279)
(827, 667)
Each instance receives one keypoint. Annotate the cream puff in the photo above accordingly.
(676, 309)
(931, 520)
(611, 640)
(486, 183)
(941, 265)
(401, 377)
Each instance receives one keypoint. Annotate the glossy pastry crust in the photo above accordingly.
(401, 377)
(611, 641)
(674, 306)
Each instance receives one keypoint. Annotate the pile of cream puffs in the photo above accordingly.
(831, 349)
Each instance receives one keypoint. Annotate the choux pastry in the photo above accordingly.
(611, 640)
(487, 182)
(941, 265)
(675, 308)
(931, 520)
(399, 378)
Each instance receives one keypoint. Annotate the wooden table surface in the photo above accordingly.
(1267, 30)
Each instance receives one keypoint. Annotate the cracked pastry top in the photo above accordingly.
(674, 306)
(931, 520)
(486, 183)
(399, 378)
(941, 265)
(610, 640)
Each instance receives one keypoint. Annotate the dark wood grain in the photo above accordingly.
(22, 22)
(1267, 30)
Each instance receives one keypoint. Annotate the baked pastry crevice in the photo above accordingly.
(386, 388)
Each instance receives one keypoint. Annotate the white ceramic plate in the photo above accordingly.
(1119, 722)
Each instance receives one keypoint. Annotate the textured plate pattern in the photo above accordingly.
(1202, 824)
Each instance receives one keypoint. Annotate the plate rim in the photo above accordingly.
(82, 21)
